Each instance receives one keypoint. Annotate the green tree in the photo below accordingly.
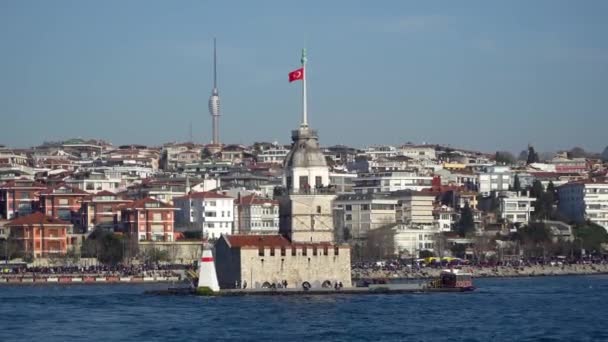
(459, 250)
(516, 183)
(504, 157)
(543, 206)
(604, 155)
(537, 189)
(590, 236)
(577, 152)
(466, 224)
(536, 237)
(551, 188)
(532, 155)
(426, 254)
(154, 256)
(107, 247)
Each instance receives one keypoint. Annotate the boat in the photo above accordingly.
(453, 279)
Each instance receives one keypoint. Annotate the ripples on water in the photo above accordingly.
(525, 309)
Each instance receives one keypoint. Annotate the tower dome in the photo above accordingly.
(305, 151)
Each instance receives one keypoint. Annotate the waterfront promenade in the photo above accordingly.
(92, 274)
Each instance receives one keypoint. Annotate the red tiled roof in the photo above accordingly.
(203, 195)
(105, 193)
(257, 241)
(74, 191)
(22, 184)
(36, 218)
(141, 204)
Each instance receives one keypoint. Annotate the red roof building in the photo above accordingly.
(257, 215)
(102, 210)
(19, 197)
(40, 235)
(62, 202)
(148, 220)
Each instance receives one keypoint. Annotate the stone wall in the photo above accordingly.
(179, 252)
(315, 269)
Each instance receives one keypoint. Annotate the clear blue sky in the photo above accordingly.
(479, 74)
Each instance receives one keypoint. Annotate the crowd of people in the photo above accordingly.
(142, 270)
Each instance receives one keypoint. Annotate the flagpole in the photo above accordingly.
(304, 111)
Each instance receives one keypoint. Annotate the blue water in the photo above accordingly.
(525, 309)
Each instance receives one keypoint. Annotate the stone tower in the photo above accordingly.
(305, 206)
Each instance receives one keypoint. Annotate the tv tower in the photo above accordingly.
(214, 101)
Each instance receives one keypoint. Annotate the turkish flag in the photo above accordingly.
(296, 75)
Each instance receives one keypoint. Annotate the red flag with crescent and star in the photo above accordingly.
(296, 75)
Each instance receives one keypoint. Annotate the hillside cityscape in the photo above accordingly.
(408, 201)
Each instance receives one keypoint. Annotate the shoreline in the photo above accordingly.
(495, 272)
(375, 277)
(85, 280)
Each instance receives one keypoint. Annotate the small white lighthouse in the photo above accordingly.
(207, 277)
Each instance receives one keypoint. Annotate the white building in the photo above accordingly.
(375, 152)
(418, 151)
(585, 200)
(257, 215)
(365, 212)
(342, 181)
(415, 208)
(400, 239)
(495, 178)
(96, 182)
(445, 218)
(367, 183)
(515, 208)
(273, 155)
(210, 211)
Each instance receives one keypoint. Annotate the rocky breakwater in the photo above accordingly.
(484, 271)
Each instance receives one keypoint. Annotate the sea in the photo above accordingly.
(569, 308)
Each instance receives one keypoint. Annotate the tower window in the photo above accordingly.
(304, 182)
(318, 181)
(318, 209)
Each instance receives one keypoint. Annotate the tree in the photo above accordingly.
(577, 152)
(523, 155)
(590, 236)
(532, 155)
(535, 237)
(543, 206)
(516, 183)
(604, 155)
(504, 157)
(481, 245)
(551, 188)
(426, 254)
(8, 248)
(154, 255)
(107, 247)
(537, 189)
(466, 224)
(459, 250)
